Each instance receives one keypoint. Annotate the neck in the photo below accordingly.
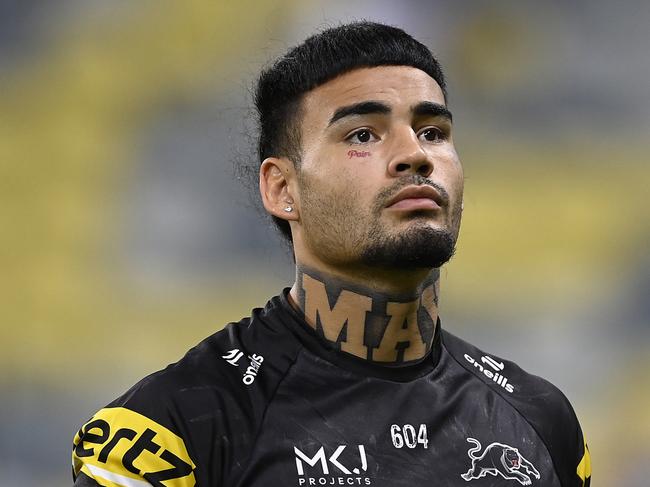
(383, 326)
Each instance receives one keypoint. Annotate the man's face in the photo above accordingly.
(380, 183)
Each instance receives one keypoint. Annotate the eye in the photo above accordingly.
(432, 134)
(361, 136)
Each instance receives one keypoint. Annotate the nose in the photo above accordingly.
(409, 157)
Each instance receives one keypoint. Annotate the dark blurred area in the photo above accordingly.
(127, 237)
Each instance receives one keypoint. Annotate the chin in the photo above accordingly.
(425, 246)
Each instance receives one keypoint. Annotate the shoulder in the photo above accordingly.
(503, 375)
(537, 400)
(191, 420)
(155, 422)
(206, 375)
(534, 397)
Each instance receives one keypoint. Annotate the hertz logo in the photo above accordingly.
(119, 448)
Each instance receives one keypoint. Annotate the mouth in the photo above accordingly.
(417, 198)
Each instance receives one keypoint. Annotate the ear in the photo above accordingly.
(276, 177)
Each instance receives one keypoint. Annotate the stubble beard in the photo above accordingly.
(419, 247)
(337, 232)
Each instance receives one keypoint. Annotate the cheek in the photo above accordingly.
(459, 181)
(451, 171)
(325, 198)
(345, 178)
(359, 189)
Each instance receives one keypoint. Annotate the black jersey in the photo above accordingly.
(265, 402)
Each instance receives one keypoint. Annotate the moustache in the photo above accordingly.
(387, 194)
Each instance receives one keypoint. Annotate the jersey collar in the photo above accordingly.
(281, 309)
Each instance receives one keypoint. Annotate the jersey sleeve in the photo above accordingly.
(584, 466)
(82, 480)
(122, 447)
(192, 423)
(551, 414)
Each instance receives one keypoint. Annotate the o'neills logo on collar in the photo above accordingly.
(338, 467)
(495, 376)
(255, 362)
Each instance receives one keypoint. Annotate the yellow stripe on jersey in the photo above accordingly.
(584, 467)
(121, 448)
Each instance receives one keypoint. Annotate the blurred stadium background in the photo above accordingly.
(126, 238)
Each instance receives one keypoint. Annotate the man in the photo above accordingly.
(347, 378)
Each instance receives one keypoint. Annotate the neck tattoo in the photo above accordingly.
(374, 326)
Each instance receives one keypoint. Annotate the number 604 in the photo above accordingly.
(405, 435)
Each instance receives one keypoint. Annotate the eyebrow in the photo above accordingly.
(431, 109)
(362, 108)
(425, 108)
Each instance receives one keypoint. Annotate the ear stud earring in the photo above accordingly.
(288, 209)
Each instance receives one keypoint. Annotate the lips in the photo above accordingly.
(417, 198)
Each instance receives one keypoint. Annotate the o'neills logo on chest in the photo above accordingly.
(337, 467)
(495, 376)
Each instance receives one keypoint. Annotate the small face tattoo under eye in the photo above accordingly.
(357, 153)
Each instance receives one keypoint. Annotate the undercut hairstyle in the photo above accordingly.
(319, 59)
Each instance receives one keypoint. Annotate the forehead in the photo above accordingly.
(397, 86)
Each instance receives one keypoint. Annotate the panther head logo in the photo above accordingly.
(512, 457)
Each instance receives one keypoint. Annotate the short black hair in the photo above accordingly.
(321, 58)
